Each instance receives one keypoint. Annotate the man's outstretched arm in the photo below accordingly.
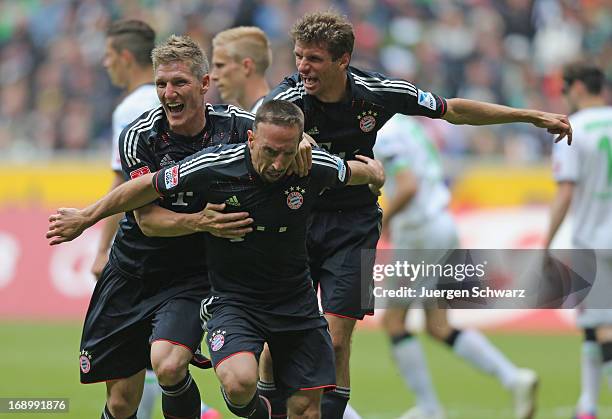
(465, 111)
(68, 223)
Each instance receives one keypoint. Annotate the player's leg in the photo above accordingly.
(303, 376)
(335, 244)
(479, 352)
(410, 359)
(180, 394)
(238, 377)
(123, 396)
(335, 401)
(604, 338)
(114, 344)
(235, 342)
(267, 386)
(177, 333)
(590, 375)
(305, 404)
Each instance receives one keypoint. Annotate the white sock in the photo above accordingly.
(607, 372)
(350, 413)
(412, 364)
(476, 349)
(149, 395)
(590, 374)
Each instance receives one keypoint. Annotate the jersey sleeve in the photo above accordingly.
(328, 170)
(565, 163)
(401, 96)
(117, 128)
(136, 157)
(290, 89)
(190, 174)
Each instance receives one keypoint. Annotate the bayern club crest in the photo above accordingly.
(85, 362)
(367, 121)
(295, 199)
(217, 340)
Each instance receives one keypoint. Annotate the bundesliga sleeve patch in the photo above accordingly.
(171, 177)
(139, 172)
(427, 100)
(341, 169)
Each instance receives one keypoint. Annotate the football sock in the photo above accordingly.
(590, 373)
(257, 408)
(150, 394)
(334, 403)
(350, 413)
(606, 355)
(476, 349)
(412, 364)
(276, 398)
(106, 414)
(181, 400)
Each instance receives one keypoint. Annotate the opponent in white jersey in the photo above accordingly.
(141, 99)
(417, 217)
(584, 176)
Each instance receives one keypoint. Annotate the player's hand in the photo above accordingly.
(377, 173)
(302, 163)
(556, 124)
(228, 226)
(99, 263)
(66, 225)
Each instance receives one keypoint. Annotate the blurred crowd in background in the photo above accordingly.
(56, 96)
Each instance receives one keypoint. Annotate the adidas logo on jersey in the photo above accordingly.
(166, 161)
(233, 201)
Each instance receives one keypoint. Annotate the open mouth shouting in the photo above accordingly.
(175, 108)
(310, 83)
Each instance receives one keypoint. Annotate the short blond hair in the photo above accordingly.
(183, 49)
(246, 42)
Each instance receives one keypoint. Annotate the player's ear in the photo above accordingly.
(345, 59)
(205, 83)
(248, 66)
(127, 56)
(251, 138)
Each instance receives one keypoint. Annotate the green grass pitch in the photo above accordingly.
(41, 360)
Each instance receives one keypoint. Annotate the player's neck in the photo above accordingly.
(336, 93)
(591, 101)
(139, 77)
(254, 90)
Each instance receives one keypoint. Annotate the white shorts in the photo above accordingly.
(596, 309)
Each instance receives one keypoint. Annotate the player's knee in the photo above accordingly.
(437, 331)
(341, 343)
(122, 405)
(393, 324)
(170, 370)
(239, 386)
(304, 408)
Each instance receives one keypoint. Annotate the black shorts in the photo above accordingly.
(303, 359)
(126, 315)
(335, 241)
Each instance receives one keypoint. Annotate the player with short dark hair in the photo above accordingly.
(344, 107)
(584, 188)
(267, 296)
